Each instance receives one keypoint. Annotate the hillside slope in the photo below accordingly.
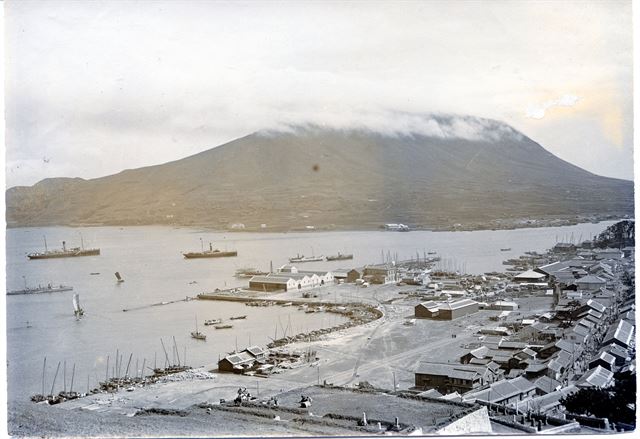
(333, 178)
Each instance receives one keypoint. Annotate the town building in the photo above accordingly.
(448, 378)
(380, 274)
(621, 333)
(242, 361)
(446, 310)
(283, 281)
(504, 392)
(590, 283)
(531, 276)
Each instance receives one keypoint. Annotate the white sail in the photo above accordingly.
(76, 303)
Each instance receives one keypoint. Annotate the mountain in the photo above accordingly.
(464, 171)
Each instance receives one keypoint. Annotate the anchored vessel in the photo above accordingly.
(65, 252)
(339, 257)
(302, 258)
(211, 253)
(249, 272)
(238, 317)
(40, 289)
(211, 322)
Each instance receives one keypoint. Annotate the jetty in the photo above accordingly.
(136, 308)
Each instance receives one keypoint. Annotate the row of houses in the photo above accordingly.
(582, 343)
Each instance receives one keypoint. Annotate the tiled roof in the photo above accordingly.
(606, 357)
(458, 304)
(596, 377)
(239, 358)
(593, 304)
(530, 274)
(546, 384)
(591, 279)
(622, 331)
(459, 371)
(255, 351)
(270, 279)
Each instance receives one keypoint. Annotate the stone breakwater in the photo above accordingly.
(358, 314)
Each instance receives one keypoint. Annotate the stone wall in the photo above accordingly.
(475, 422)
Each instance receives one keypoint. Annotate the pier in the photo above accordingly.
(136, 308)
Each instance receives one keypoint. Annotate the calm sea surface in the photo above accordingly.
(150, 260)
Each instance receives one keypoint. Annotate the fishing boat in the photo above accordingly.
(238, 317)
(339, 257)
(302, 258)
(210, 253)
(249, 272)
(77, 310)
(212, 322)
(197, 334)
(40, 289)
(119, 278)
(223, 326)
(65, 252)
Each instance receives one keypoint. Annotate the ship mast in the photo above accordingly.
(45, 244)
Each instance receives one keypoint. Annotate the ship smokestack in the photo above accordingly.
(64, 246)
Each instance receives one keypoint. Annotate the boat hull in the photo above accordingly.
(65, 254)
(339, 257)
(300, 261)
(210, 255)
(59, 289)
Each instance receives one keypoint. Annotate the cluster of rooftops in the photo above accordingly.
(589, 336)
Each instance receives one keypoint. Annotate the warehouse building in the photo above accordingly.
(446, 310)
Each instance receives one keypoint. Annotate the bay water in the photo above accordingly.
(149, 259)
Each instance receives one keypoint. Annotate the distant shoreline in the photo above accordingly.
(515, 224)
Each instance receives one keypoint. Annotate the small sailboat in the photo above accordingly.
(120, 279)
(77, 310)
(197, 334)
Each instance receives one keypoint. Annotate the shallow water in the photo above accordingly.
(149, 259)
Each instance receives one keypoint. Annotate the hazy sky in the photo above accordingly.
(94, 88)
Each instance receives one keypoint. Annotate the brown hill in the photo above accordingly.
(332, 178)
